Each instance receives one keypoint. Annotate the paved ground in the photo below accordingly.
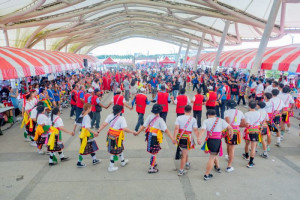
(26, 175)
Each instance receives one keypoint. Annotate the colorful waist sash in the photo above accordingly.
(253, 130)
(158, 134)
(212, 135)
(83, 136)
(116, 134)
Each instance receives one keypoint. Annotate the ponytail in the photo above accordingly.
(55, 111)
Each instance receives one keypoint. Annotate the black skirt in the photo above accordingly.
(214, 145)
(153, 145)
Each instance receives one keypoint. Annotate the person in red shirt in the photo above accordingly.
(119, 99)
(211, 99)
(181, 101)
(79, 101)
(188, 82)
(73, 100)
(141, 101)
(163, 98)
(198, 100)
(97, 106)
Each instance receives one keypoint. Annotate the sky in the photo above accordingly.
(150, 46)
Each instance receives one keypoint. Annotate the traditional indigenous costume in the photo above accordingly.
(253, 132)
(213, 142)
(235, 117)
(287, 111)
(41, 132)
(115, 138)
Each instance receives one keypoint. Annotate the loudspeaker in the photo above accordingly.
(85, 62)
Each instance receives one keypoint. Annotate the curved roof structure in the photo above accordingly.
(79, 26)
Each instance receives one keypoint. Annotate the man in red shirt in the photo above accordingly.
(79, 102)
(119, 99)
(73, 100)
(95, 100)
(141, 101)
(198, 100)
(163, 98)
(181, 101)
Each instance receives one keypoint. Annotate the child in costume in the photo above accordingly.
(41, 132)
(213, 143)
(185, 125)
(154, 126)
(115, 136)
(265, 131)
(268, 108)
(252, 132)
(287, 110)
(87, 138)
(236, 119)
(55, 143)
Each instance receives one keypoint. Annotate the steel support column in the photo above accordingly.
(199, 51)
(178, 55)
(221, 45)
(265, 37)
(187, 53)
(45, 44)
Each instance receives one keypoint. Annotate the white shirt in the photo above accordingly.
(253, 118)
(119, 124)
(158, 124)
(259, 89)
(208, 124)
(182, 120)
(86, 121)
(58, 122)
(29, 105)
(268, 107)
(263, 114)
(42, 119)
(188, 100)
(276, 103)
(33, 113)
(231, 113)
(253, 85)
(269, 89)
(287, 99)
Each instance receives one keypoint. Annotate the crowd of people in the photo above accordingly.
(269, 102)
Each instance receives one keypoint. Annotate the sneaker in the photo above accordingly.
(112, 169)
(250, 165)
(81, 165)
(95, 162)
(244, 156)
(41, 152)
(124, 163)
(72, 118)
(152, 170)
(226, 157)
(155, 166)
(207, 177)
(229, 169)
(288, 130)
(217, 169)
(187, 166)
(264, 155)
(181, 172)
(33, 144)
(268, 148)
(64, 159)
(52, 164)
(277, 144)
(281, 138)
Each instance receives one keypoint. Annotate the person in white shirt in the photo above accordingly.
(288, 102)
(213, 145)
(235, 118)
(252, 132)
(259, 91)
(264, 127)
(42, 128)
(57, 145)
(115, 137)
(269, 87)
(185, 125)
(87, 138)
(154, 126)
(277, 105)
(252, 89)
(268, 108)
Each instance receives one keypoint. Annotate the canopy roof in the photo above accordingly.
(286, 58)
(19, 63)
(109, 61)
(167, 61)
(82, 25)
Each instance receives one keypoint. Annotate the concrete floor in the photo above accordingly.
(26, 175)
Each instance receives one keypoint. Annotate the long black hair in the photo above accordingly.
(55, 111)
